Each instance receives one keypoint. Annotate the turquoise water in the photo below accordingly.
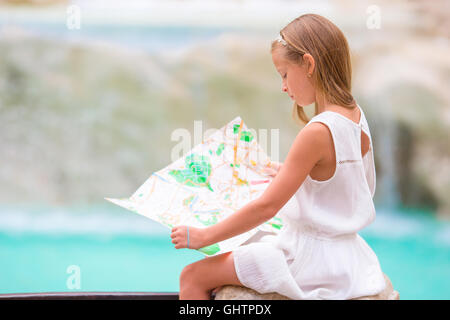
(38, 263)
(117, 250)
(414, 251)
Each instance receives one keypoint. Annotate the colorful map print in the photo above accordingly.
(214, 180)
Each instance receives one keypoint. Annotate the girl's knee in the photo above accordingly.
(187, 274)
(191, 275)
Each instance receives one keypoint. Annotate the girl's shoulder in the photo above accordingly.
(317, 136)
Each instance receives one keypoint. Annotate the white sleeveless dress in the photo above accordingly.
(318, 253)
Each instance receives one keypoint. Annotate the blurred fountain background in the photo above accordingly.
(88, 113)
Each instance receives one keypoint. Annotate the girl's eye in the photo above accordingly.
(285, 75)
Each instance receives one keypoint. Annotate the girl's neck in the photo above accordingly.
(326, 106)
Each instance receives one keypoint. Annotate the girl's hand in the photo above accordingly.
(272, 168)
(196, 237)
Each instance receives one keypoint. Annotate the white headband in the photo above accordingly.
(281, 40)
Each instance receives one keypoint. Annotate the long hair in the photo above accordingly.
(325, 42)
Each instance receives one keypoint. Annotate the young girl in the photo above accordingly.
(329, 173)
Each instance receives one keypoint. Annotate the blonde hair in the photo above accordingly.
(332, 76)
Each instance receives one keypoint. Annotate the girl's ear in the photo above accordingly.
(310, 64)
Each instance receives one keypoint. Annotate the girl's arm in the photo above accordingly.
(307, 150)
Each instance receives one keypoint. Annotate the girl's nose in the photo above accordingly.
(284, 89)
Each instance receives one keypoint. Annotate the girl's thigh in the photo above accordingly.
(213, 272)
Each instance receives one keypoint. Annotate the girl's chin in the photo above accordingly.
(297, 102)
(303, 104)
